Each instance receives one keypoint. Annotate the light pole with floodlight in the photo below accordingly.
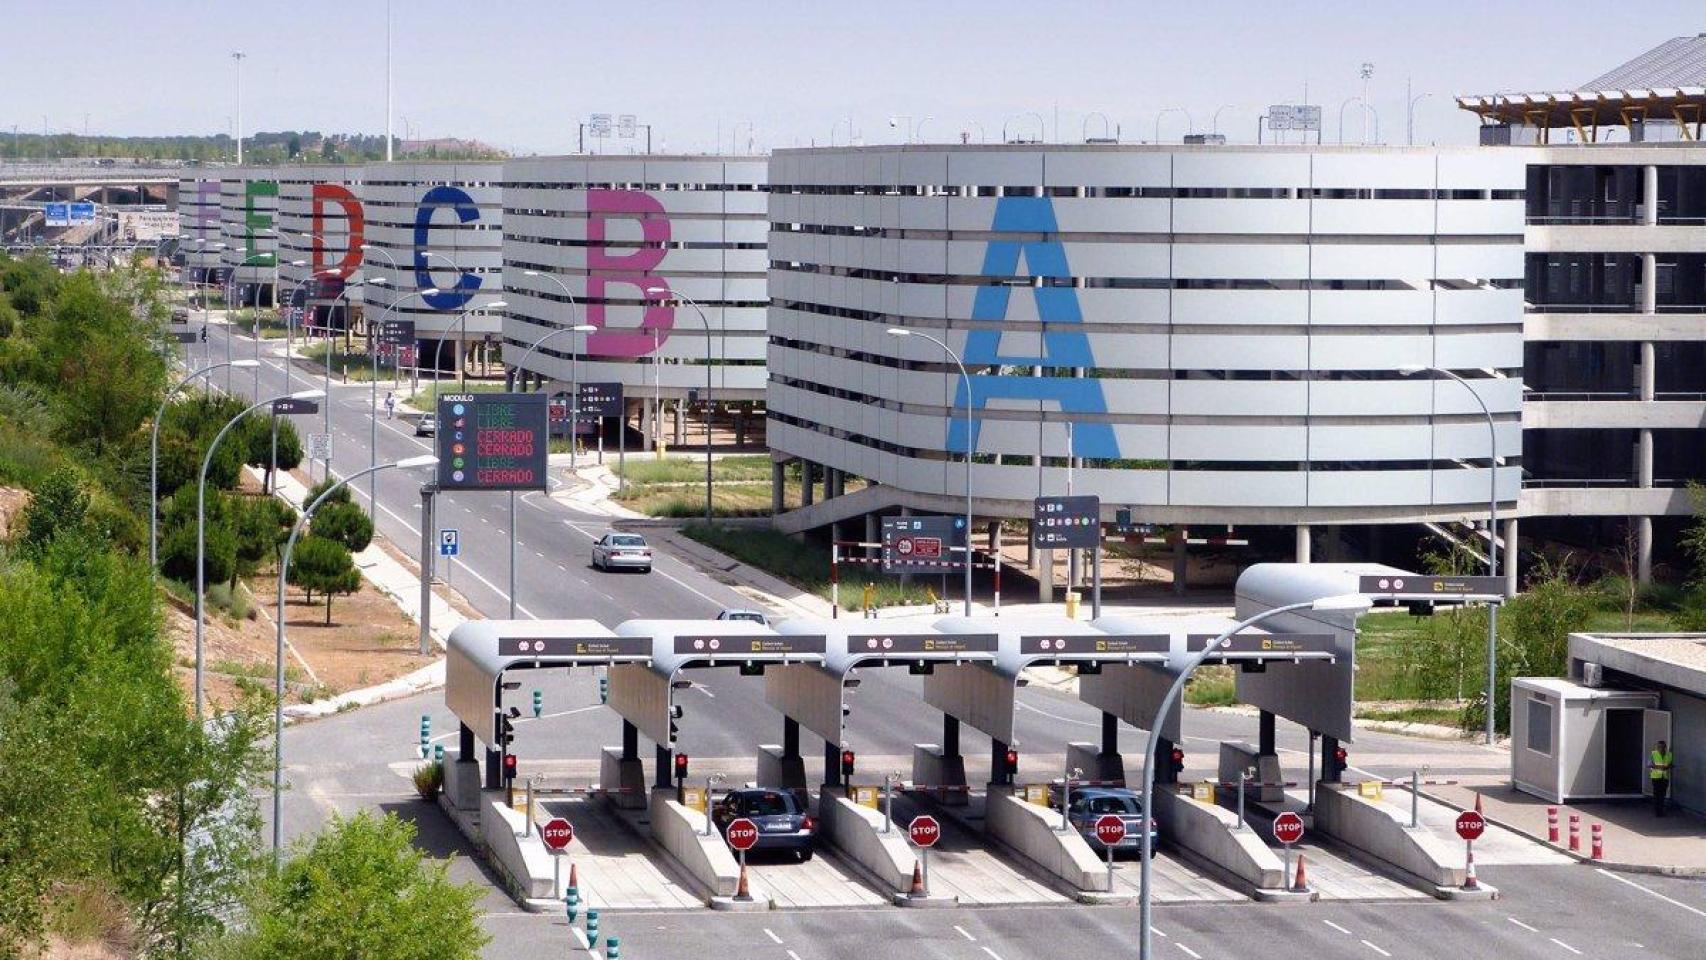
(709, 406)
(971, 442)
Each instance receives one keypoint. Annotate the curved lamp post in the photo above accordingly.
(970, 442)
(278, 652)
(1347, 603)
(373, 384)
(154, 457)
(201, 527)
(1411, 369)
(709, 405)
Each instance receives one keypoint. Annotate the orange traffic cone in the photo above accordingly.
(1477, 803)
(741, 891)
(574, 875)
(917, 881)
(1302, 881)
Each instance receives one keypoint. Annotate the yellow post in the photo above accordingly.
(1072, 604)
(870, 597)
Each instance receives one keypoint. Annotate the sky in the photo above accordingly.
(741, 74)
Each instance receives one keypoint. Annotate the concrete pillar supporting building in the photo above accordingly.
(1181, 557)
(873, 531)
(647, 412)
(1045, 575)
(1644, 550)
(807, 482)
(680, 423)
(778, 487)
(1303, 543)
(1512, 569)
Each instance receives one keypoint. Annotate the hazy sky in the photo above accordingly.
(521, 74)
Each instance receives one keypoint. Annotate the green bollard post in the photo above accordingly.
(613, 950)
(572, 902)
(591, 928)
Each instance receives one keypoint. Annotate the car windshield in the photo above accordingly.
(743, 615)
(627, 541)
(1111, 805)
(765, 805)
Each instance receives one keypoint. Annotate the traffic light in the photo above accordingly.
(847, 759)
(681, 766)
(1012, 763)
(1178, 760)
(1340, 755)
(538, 704)
(509, 766)
(506, 732)
(603, 689)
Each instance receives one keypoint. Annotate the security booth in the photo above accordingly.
(815, 695)
(481, 654)
(1570, 741)
(644, 693)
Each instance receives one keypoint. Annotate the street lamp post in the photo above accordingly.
(1492, 528)
(373, 386)
(970, 439)
(709, 405)
(201, 528)
(1347, 603)
(154, 457)
(278, 651)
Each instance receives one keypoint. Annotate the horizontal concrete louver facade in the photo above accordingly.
(454, 210)
(199, 223)
(320, 221)
(1223, 326)
(248, 213)
(609, 228)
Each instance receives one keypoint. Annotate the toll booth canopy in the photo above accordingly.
(480, 652)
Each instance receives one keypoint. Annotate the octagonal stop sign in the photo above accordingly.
(1288, 828)
(1470, 825)
(557, 834)
(1110, 829)
(924, 831)
(742, 834)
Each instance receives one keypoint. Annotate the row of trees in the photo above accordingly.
(123, 818)
(282, 146)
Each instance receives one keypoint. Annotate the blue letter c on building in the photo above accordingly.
(454, 297)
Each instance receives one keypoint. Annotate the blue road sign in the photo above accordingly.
(449, 542)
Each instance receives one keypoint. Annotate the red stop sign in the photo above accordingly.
(924, 831)
(1110, 829)
(1288, 827)
(1470, 825)
(742, 834)
(557, 833)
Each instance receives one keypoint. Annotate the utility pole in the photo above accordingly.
(387, 81)
(237, 57)
(1367, 72)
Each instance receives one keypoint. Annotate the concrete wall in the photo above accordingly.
(627, 778)
(1383, 832)
(1208, 831)
(1030, 829)
(680, 831)
(1688, 746)
(463, 781)
(523, 859)
(858, 832)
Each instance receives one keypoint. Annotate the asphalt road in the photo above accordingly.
(360, 760)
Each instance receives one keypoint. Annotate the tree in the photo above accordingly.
(319, 564)
(262, 526)
(178, 537)
(360, 888)
(1535, 628)
(340, 495)
(102, 362)
(59, 503)
(344, 522)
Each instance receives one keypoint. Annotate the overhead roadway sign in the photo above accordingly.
(492, 441)
(741, 648)
(594, 648)
(1429, 587)
(1066, 522)
(1108, 644)
(1255, 646)
(921, 544)
(394, 333)
(293, 405)
(900, 644)
(600, 400)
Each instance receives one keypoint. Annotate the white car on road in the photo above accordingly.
(622, 551)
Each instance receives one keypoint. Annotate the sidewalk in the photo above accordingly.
(1635, 840)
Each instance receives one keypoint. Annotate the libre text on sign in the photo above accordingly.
(492, 441)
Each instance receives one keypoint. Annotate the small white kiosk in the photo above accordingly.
(1575, 742)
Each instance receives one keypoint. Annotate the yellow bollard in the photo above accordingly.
(1072, 604)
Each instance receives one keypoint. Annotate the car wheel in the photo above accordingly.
(645, 569)
(804, 855)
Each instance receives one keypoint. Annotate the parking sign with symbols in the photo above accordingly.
(742, 834)
(1110, 829)
(924, 831)
(449, 542)
(1072, 522)
(557, 834)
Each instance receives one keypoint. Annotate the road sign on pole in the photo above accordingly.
(1110, 829)
(1288, 828)
(449, 542)
(319, 445)
(921, 544)
(1427, 587)
(924, 831)
(742, 834)
(1470, 825)
(1073, 523)
(557, 834)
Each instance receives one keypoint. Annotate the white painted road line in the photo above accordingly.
(1523, 925)
(793, 956)
(1376, 949)
(963, 933)
(1565, 946)
(1189, 952)
(1337, 927)
(992, 953)
(1158, 932)
(1650, 890)
(772, 935)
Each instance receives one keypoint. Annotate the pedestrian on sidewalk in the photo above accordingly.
(390, 405)
(1658, 770)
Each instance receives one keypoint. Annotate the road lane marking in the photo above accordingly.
(1376, 949)
(772, 935)
(793, 956)
(1158, 932)
(997, 956)
(1650, 890)
(1565, 945)
(688, 587)
(1189, 952)
(963, 933)
(1523, 925)
(1337, 927)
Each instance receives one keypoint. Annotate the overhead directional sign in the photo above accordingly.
(394, 333)
(292, 405)
(909, 643)
(738, 647)
(921, 544)
(1256, 645)
(597, 648)
(1439, 588)
(492, 441)
(1110, 645)
(600, 400)
(1066, 522)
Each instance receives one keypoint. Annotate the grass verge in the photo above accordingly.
(802, 564)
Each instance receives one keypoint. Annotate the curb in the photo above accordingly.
(1482, 892)
(1651, 869)
(731, 905)
(925, 903)
(1280, 895)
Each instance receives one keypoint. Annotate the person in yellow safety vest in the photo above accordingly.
(1659, 770)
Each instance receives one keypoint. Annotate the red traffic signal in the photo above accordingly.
(1013, 761)
(509, 766)
(1340, 754)
(847, 758)
(681, 766)
(1178, 757)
